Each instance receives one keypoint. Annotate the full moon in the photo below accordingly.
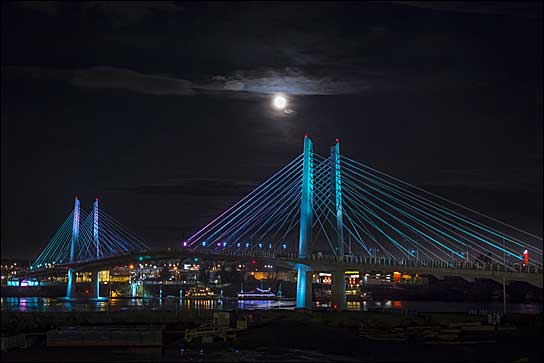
(280, 102)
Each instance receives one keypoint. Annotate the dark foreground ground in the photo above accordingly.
(320, 336)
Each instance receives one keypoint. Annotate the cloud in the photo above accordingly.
(290, 81)
(259, 82)
(104, 77)
(120, 78)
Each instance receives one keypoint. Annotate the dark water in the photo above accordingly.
(36, 304)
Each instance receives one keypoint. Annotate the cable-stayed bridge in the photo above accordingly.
(325, 213)
(86, 237)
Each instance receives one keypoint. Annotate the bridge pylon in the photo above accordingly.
(338, 295)
(96, 277)
(304, 276)
(70, 287)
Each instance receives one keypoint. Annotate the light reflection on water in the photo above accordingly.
(36, 304)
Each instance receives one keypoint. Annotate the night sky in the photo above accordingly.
(163, 109)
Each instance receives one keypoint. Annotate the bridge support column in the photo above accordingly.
(306, 203)
(336, 179)
(362, 278)
(304, 281)
(96, 277)
(338, 293)
(95, 282)
(70, 288)
(304, 287)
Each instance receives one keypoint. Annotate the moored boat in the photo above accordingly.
(200, 293)
(259, 294)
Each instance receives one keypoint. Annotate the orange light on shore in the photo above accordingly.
(131, 267)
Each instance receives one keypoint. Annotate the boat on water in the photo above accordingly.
(201, 293)
(259, 294)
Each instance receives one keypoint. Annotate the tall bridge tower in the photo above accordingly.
(304, 273)
(338, 295)
(96, 276)
(75, 236)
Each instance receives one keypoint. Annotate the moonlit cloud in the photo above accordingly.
(110, 77)
(269, 81)
(290, 81)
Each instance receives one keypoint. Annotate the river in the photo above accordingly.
(38, 304)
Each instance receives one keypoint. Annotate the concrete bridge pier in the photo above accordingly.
(71, 285)
(338, 287)
(304, 287)
(95, 284)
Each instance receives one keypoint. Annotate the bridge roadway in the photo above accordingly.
(467, 270)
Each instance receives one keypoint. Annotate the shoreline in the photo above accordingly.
(297, 335)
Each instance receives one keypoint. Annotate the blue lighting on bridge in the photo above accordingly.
(314, 202)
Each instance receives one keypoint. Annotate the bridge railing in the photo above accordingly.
(368, 260)
(465, 265)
